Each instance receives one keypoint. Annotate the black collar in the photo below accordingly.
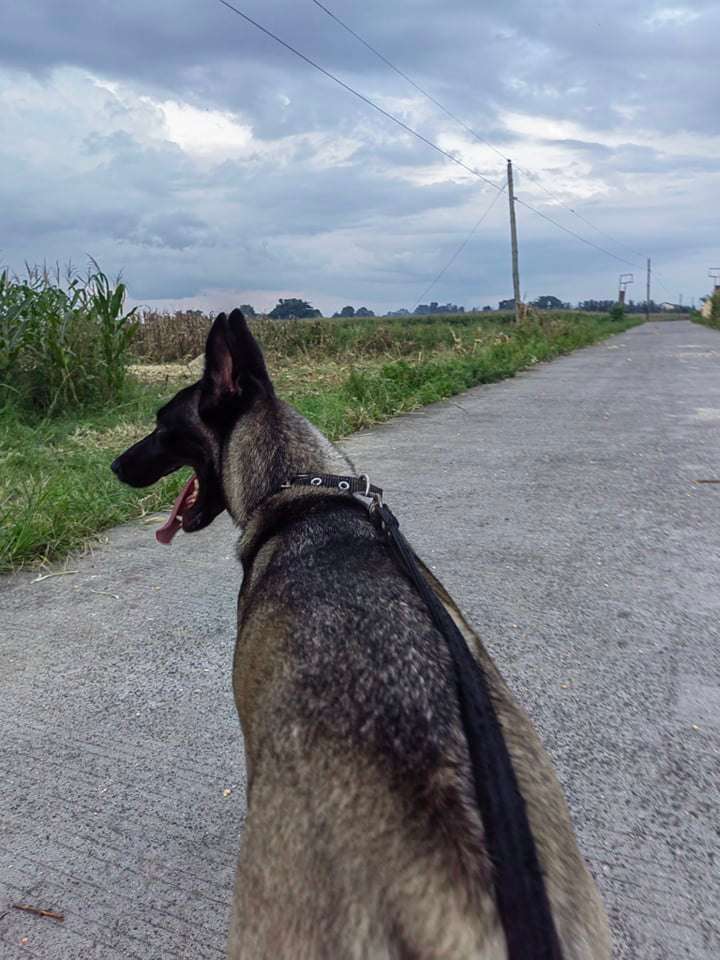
(359, 484)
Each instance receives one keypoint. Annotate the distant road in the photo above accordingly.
(561, 508)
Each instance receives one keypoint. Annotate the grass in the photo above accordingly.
(177, 337)
(57, 492)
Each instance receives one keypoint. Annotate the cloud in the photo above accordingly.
(178, 144)
(672, 17)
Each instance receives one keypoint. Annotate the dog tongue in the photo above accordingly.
(167, 531)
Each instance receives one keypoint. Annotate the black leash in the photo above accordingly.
(519, 886)
(520, 892)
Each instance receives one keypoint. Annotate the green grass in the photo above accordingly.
(57, 492)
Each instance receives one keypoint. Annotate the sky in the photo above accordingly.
(181, 147)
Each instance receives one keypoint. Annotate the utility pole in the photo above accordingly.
(513, 238)
(647, 301)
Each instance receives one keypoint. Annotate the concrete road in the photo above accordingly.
(562, 509)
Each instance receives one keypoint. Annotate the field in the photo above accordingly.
(57, 492)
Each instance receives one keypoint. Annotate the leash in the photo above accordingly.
(520, 892)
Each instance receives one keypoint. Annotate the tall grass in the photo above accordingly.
(63, 345)
(164, 337)
(170, 337)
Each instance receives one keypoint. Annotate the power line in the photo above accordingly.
(360, 96)
(408, 129)
(576, 235)
(470, 130)
(658, 278)
(562, 203)
(412, 82)
(462, 246)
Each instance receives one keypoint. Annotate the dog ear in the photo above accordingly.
(233, 363)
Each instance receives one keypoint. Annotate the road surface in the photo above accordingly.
(561, 508)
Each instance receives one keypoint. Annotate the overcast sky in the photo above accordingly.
(174, 142)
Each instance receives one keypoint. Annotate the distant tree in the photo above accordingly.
(364, 312)
(487, 308)
(402, 312)
(548, 303)
(507, 304)
(345, 312)
(247, 310)
(426, 309)
(596, 306)
(293, 308)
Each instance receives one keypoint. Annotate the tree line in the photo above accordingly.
(295, 308)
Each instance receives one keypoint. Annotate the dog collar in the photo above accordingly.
(359, 484)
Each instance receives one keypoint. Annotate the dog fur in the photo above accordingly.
(363, 840)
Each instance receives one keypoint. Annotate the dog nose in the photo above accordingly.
(116, 468)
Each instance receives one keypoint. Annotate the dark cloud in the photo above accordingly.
(559, 58)
(616, 107)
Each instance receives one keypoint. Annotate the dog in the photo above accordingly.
(364, 839)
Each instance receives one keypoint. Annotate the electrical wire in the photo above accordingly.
(533, 176)
(412, 82)
(360, 96)
(656, 276)
(536, 180)
(460, 249)
(408, 129)
(577, 236)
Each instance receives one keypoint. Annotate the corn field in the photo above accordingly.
(64, 342)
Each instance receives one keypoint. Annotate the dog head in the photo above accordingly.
(194, 428)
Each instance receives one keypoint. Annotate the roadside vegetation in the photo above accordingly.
(63, 345)
(81, 378)
(710, 317)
